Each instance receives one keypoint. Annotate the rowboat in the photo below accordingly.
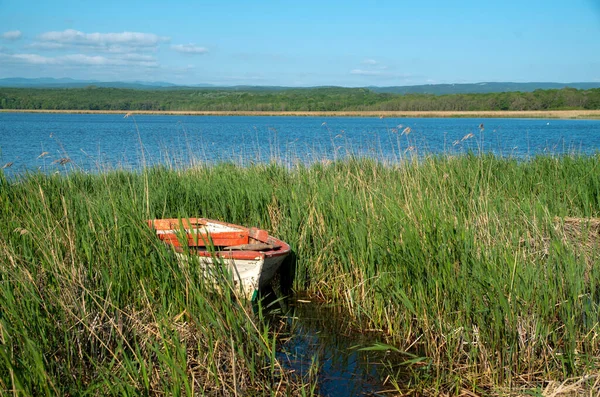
(251, 254)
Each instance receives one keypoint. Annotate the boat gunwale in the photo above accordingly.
(281, 248)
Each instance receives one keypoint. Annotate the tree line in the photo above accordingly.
(301, 99)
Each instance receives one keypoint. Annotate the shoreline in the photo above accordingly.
(534, 114)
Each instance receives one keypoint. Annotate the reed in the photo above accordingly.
(473, 265)
(90, 302)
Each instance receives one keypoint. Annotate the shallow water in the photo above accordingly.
(98, 141)
(320, 344)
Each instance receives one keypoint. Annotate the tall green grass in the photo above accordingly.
(91, 302)
(464, 261)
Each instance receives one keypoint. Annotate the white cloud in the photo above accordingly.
(375, 70)
(189, 49)
(112, 49)
(382, 73)
(39, 45)
(12, 35)
(110, 42)
(137, 58)
(363, 72)
(91, 50)
(28, 58)
(81, 60)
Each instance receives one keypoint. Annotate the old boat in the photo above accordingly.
(252, 255)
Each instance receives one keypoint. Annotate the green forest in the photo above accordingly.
(297, 99)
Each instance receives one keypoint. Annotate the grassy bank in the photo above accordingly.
(472, 264)
(535, 114)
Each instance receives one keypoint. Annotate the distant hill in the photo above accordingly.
(39, 82)
(48, 82)
(434, 89)
(480, 88)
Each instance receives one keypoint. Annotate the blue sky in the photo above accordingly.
(302, 43)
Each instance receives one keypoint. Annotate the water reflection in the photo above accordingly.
(321, 344)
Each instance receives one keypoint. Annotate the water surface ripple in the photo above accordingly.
(99, 141)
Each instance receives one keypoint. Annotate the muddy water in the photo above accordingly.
(322, 345)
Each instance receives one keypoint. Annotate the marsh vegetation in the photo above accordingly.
(481, 271)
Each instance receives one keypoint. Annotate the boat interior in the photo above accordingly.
(204, 235)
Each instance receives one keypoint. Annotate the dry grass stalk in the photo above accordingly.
(588, 385)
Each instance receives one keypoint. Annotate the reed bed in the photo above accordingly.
(92, 304)
(481, 271)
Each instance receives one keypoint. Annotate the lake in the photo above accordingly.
(104, 141)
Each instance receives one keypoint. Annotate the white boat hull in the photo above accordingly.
(248, 275)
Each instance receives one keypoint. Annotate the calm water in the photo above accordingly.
(320, 333)
(95, 142)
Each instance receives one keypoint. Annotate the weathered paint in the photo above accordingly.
(253, 268)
